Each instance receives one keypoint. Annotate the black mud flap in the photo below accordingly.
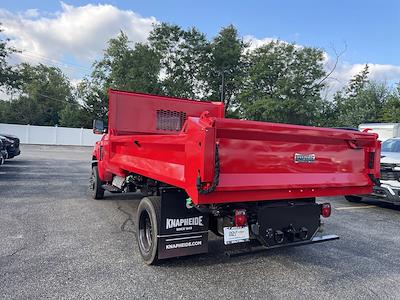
(281, 225)
(182, 231)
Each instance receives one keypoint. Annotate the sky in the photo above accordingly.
(71, 34)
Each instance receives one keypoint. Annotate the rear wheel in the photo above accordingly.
(353, 198)
(96, 184)
(147, 222)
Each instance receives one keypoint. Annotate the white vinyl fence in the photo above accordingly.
(48, 135)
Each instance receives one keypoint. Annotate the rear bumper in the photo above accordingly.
(314, 240)
(386, 193)
(13, 152)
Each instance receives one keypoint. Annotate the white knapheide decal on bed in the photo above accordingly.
(173, 223)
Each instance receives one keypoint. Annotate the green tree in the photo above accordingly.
(391, 107)
(284, 84)
(226, 66)
(75, 115)
(122, 67)
(183, 56)
(9, 77)
(126, 68)
(358, 83)
(44, 92)
(361, 101)
(94, 95)
(4, 109)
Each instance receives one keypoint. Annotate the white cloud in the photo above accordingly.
(345, 71)
(78, 32)
(381, 72)
(255, 43)
(31, 13)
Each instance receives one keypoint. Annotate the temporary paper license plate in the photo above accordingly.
(233, 235)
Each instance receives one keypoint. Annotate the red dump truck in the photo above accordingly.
(250, 182)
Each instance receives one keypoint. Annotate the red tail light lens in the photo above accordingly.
(326, 210)
(240, 218)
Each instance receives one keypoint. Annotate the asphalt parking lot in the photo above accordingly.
(56, 242)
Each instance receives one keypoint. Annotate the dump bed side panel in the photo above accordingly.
(159, 158)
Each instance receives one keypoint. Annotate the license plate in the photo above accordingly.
(233, 235)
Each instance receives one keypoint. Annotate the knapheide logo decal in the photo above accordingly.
(175, 223)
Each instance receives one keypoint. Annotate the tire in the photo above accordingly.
(95, 184)
(1, 159)
(147, 222)
(354, 199)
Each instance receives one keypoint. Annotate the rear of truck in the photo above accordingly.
(243, 180)
(269, 175)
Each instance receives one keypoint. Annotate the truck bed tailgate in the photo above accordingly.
(264, 161)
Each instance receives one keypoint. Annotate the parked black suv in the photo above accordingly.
(11, 142)
(3, 152)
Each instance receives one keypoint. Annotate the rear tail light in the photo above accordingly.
(240, 218)
(325, 210)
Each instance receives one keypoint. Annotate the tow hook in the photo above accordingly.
(302, 234)
(290, 233)
(279, 235)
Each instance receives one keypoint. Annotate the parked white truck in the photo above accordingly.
(389, 188)
(384, 130)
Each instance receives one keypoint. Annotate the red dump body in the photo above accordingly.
(174, 141)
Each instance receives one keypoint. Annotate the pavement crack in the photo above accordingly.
(16, 251)
(27, 246)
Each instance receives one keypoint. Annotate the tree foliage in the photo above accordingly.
(283, 84)
(44, 93)
(123, 68)
(361, 101)
(182, 56)
(9, 77)
(126, 68)
(227, 62)
(277, 82)
(391, 107)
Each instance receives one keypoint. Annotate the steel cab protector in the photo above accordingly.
(245, 180)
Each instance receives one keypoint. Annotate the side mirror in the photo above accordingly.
(98, 127)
